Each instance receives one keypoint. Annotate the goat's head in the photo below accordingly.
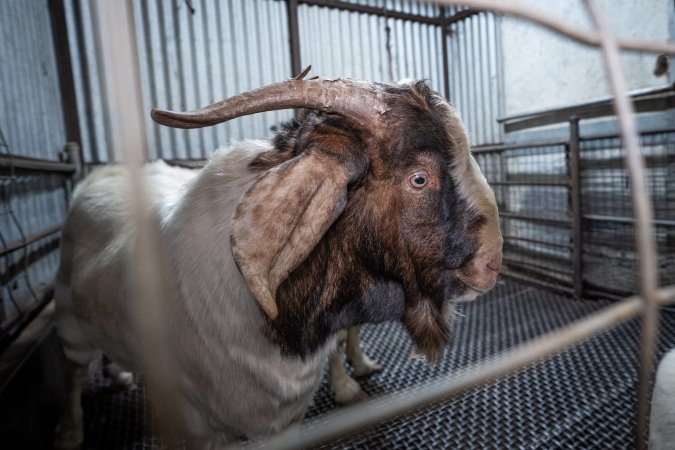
(372, 193)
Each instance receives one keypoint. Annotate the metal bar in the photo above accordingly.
(631, 220)
(34, 164)
(601, 101)
(372, 10)
(461, 15)
(65, 72)
(642, 104)
(516, 262)
(546, 20)
(537, 282)
(588, 292)
(19, 266)
(446, 65)
(350, 420)
(530, 183)
(536, 241)
(294, 37)
(21, 243)
(548, 220)
(615, 135)
(14, 329)
(575, 206)
(643, 210)
(666, 295)
(502, 147)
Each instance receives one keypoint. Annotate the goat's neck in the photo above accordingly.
(329, 292)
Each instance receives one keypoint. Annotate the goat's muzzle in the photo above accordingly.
(480, 273)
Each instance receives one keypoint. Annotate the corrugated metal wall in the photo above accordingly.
(475, 76)
(31, 118)
(31, 125)
(194, 53)
(374, 48)
(193, 57)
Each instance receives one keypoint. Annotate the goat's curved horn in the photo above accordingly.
(359, 101)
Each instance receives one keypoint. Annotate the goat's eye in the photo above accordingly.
(419, 179)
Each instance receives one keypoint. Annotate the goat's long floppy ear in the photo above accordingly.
(283, 216)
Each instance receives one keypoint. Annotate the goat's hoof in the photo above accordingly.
(349, 392)
(124, 381)
(364, 366)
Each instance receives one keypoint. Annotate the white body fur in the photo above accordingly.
(233, 380)
(662, 421)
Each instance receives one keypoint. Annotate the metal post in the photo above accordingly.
(294, 36)
(575, 206)
(444, 44)
(65, 71)
(73, 156)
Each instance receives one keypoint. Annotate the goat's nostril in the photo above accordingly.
(495, 262)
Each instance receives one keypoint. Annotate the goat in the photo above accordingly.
(367, 208)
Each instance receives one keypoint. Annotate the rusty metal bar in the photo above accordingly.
(294, 36)
(574, 167)
(21, 243)
(350, 420)
(65, 71)
(461, 15)
(372, 10)
(37, 165)
(446, 65)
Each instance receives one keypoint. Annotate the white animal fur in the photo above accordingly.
(247, 387)
(662, 421)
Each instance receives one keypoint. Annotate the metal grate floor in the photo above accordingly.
(584, 398)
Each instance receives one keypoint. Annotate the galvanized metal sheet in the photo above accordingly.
(31, 118)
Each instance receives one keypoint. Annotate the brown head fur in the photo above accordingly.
(417, 228)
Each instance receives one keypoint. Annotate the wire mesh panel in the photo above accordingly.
(531, 185)
(606, 206)
(582, 398)
(32, 208)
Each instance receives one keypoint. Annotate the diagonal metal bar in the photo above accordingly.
(359, 417)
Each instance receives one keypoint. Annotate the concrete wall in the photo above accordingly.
(544, 70)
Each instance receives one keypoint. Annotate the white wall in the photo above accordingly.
(544, 70)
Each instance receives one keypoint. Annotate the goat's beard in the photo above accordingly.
(428, 327)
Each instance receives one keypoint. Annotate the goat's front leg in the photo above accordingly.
(361, 363)
(345, 388)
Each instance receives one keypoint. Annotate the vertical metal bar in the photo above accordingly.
(444, 46)
(644, 215)
(65, 70)
(574, 169)
(294, 36)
